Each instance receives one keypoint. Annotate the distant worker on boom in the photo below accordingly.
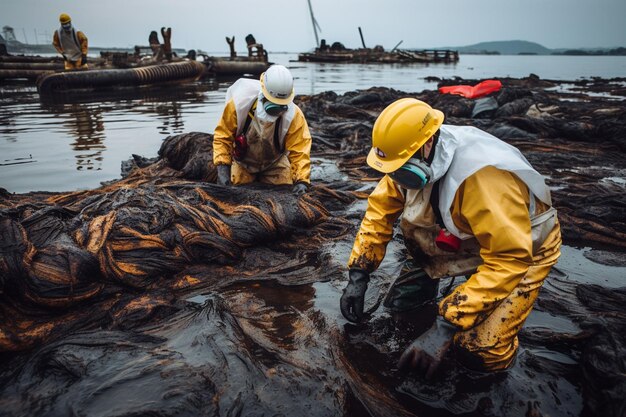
(70, 43)
(262, 135)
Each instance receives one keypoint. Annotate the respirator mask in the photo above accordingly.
(413, 175)
(273, 109)
(417, 172)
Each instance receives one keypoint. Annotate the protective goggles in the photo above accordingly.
(413, 175)
(274, 109)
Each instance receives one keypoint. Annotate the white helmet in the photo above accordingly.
(277, 84)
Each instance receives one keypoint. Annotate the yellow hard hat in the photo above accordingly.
(64, 18)
(400, 130)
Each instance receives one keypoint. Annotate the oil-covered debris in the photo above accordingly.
(164, 294)
(574, 136)
(150, 232)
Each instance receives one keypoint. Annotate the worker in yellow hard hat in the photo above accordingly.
(469, 204)
(263, 135)
(70, 43)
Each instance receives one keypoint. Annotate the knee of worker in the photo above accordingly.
(474, 353)
(278, 174)
(498, 326)
(239, 175)
(241, 180)
(532, 281)
(276, 177)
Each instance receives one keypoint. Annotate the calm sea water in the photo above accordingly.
(71, 146)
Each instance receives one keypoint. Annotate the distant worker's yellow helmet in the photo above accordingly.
(64, 18)
(400, 130)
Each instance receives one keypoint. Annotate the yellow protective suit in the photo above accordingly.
(83, 46)
(491, 307)
(275, 167)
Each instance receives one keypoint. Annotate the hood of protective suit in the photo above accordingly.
(464, 150)
(244, 92)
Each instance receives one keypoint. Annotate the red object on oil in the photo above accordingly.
(476, 91)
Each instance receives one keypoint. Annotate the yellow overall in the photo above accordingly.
(489, 309)
(72, 51)
(263, 162)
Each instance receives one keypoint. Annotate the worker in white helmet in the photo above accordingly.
(262, 135)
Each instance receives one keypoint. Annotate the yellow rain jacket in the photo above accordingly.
(287, 161)
(492, 210)
(73, 45)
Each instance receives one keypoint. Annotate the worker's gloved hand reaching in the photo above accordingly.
(83, 59)
(353, 297)
(300, 188)
(426, 352)
(223, 175)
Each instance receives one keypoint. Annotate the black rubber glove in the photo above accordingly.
(223, 175)
(426, 352)
(300, 188)
(83, 59)
(64, 57)
(353, 297)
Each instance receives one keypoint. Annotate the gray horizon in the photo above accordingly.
(283, 25)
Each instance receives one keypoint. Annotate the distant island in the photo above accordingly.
(518, 47)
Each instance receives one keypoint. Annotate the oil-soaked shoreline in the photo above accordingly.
(164, 294)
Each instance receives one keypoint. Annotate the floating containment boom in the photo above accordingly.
(172, 73)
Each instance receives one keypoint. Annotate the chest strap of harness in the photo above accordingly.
(240, 144)
(74, 37)
(249, 118)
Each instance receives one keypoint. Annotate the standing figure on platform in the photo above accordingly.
(71, 43)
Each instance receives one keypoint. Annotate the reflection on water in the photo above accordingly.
(77, 141)
(171, 117)
(87, 126)
(89, 130)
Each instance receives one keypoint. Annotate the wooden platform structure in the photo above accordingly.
(431, 55)
(368, 55)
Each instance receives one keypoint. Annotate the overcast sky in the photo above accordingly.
(285, 25)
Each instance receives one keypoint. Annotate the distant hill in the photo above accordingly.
(530, 48)
(505, 48)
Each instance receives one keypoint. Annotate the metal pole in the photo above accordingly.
(362, 41)
(314, 22)
(398, 44)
